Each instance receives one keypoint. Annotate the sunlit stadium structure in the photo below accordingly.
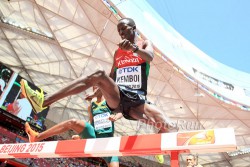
(50, 43)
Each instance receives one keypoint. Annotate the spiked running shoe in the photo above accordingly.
(31, 133)
(159, 158)
(35, 97)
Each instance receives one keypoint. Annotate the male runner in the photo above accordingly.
(125, 89)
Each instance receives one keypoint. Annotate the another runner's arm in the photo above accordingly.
(90, 114)
(96, 93)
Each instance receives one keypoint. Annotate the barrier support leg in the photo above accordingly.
(174, 159)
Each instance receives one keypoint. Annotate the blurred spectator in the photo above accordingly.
(192, 161)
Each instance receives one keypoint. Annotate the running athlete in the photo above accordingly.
(125, 89)
(101, 124)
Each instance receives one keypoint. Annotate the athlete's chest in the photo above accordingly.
(127, 58)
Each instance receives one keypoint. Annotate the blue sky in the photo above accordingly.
(220, 28)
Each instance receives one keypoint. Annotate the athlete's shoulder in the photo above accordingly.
(117, 51)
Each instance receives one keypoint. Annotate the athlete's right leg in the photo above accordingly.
(108, 87)
(73, 124)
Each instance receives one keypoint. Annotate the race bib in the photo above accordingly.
(102, 121)
(129, 76)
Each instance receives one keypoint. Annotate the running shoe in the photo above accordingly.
(31, 133)
(35, 97)
(159, 158)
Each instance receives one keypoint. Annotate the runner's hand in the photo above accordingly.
(89, 97)
(126, 45)
(113, 117)
(75, 137)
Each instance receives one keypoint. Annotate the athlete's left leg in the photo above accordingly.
(73, 124)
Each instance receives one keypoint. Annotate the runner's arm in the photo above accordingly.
(90, 114)
(147, 51)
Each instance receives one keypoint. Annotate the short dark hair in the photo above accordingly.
(131, 22)
(194, 157)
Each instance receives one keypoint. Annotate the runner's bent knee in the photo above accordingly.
(71, 123)
(97, 77)
(76, 125)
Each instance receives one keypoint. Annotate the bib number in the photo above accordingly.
(102, 121)
(129, 76)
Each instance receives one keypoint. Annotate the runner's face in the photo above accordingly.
(125, 31)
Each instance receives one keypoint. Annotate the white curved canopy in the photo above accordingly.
(81, 38)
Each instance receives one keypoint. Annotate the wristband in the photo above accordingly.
(136, 48)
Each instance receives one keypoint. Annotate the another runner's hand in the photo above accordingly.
(113, 117)
(75, 137)
(89, 97)
(126, 45)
